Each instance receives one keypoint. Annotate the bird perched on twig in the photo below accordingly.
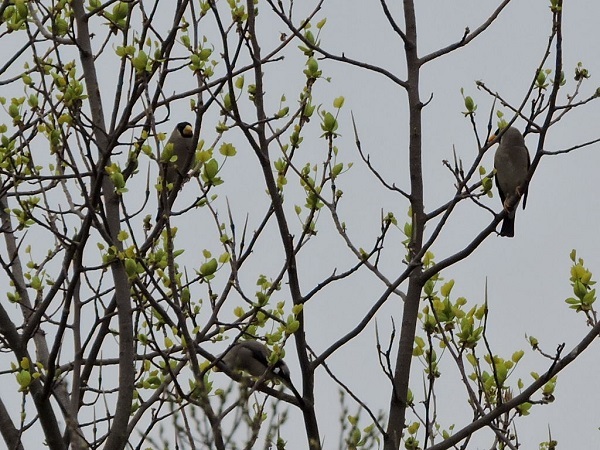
(180, 142)
(176, 161)
(511, 162)
(253, 357)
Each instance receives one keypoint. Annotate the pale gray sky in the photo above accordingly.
(527, 276)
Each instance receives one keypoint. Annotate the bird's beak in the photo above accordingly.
(188, 131)
(494, 136)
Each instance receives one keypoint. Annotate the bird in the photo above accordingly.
(180, 144)
(511, 162)
(253, 357)
(181, 140)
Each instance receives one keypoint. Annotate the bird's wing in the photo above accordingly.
(528, 166)
(502, 196)
(259, 352)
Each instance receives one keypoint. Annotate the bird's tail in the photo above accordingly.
(508, 227)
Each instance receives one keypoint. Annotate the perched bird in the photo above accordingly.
(512, 165)
(179, 145)
(253, 357)
(181, 140)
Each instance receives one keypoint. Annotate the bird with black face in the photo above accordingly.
(511, 162)
(253, 357)
(176, 161)
(180, 146)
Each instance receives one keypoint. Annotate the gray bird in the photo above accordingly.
(180, 143)
(253, 357)
(512, 165)
(181, 138)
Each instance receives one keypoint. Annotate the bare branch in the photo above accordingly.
(467, 37)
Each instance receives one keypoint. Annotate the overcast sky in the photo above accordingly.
(527, 276)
